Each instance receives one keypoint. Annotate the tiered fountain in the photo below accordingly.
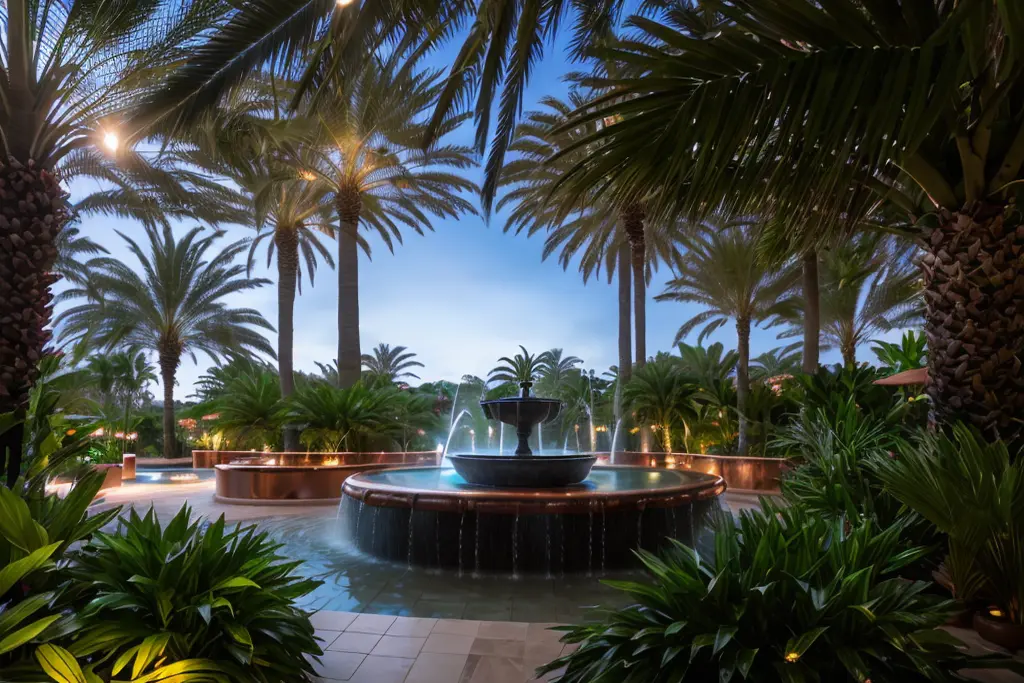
(525, 512)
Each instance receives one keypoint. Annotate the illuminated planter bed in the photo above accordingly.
(742, 474)
(209, 459)
(276, 478)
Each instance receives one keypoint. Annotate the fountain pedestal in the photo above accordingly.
(524, 469)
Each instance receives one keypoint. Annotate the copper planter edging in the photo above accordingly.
(209, 459)
(262, 484)
(510, 501)
(743, 474)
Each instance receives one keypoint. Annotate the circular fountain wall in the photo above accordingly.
(431, 517)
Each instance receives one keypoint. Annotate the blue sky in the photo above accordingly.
(459, 297)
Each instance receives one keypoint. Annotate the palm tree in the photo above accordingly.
(660, 396)
(171, 303)
(68, 74)
(721, 270)
(523, 367)
(249, 410)
(870, 286)
(944, 138)
(557, 368)
(601, 232)
(242, 142)
(391, 364)
(371, 159)
(73, 251)
(133, 372)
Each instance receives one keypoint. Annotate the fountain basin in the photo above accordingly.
(431, 517)
(517, 471)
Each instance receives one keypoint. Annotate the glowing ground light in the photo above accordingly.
(308, 175)
(111, 141)
(792, 656)
(996, 612)
(345, 3)
(191, 476)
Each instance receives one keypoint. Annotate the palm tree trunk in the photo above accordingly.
(287, 241)
(849, 352)
(633, 222)
(974, 319)
(168, 362)
(812, 313)
(625, 345)
(743, 381)
(349, 353)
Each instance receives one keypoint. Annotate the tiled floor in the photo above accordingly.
(385, 649)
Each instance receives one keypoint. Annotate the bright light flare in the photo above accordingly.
(111, 141)
(345, 3)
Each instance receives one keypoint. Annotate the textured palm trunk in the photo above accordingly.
(625, 345)
(743, 382)
(286, 240)
(849, 351)
(168, 362)
(812, 313)
(974, 319)
(349, 354)
(633, 222)
(32, 213)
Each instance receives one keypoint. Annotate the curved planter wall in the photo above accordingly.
(741, 474)
(306, 478)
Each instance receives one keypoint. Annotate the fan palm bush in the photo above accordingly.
(350, 419)
(720, 270)
(152, 596)
(250, 411)
(660, 396)
(973, 491)
(788, 596)
(172, 305)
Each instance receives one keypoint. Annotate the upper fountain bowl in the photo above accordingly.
(523, 412)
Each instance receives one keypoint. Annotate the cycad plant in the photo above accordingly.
(250, 411)
(391, 364)
(349, 419)
(972, 491)
(520, 368)
(721, 270)
(171, 303)
(812, 111)
(247, 141)
(370, 156)
(70, 72)
(787, 596)
(910, 353)
(661, 397)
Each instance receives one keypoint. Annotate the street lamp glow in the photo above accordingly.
(111, 141)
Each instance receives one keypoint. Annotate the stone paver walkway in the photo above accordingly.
(373, 648)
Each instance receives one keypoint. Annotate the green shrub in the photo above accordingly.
(973, 491)
(37, 531)
(788, 597)
(155, 596)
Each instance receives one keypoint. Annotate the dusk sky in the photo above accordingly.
(459, 297)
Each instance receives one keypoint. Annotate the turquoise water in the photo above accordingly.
(601, 479)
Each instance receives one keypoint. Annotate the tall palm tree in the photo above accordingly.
(246, 141)
(391, 364)
(721, 271)
(598, 231)
(133, 371)
(870, 286)
(835, 105)
(557, 368)
(69, 72)
(372, 160)
(171, 303)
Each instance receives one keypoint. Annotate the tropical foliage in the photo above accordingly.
(153, 596)
(787, 596)
(174, 306)
(391, 364)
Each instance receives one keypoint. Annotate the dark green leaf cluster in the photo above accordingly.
(154, 596)
(787, 597)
